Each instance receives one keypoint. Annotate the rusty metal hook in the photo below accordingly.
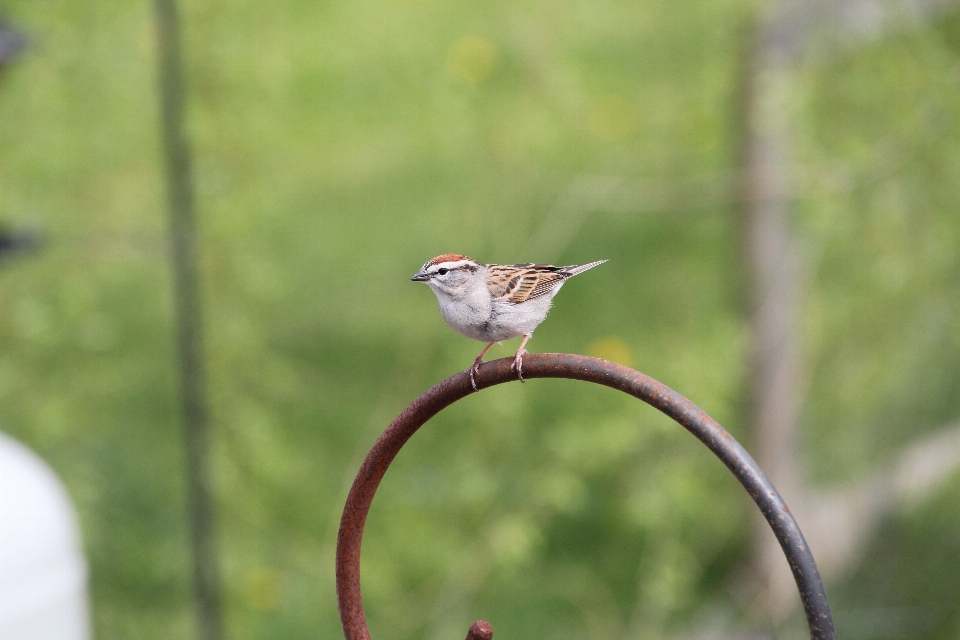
(559, 365)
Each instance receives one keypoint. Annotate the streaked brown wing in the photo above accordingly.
(521, 282)
(536, 281)
(501, 280)
(546, 283)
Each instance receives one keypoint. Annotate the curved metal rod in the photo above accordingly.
(557, 365)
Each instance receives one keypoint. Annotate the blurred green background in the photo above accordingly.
(339, 145)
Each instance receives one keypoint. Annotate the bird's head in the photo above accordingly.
(449, 273)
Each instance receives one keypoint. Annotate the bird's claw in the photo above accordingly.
(475, 367)
(518, 364)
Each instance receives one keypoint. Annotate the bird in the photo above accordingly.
(494, 302)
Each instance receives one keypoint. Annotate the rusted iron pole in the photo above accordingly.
(556, 365)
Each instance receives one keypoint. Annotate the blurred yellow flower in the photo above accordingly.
(613, 349)
(263, 588)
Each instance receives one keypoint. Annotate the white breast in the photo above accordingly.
(467, 315)
(487, 320)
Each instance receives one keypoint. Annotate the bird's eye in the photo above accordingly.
(442, 272)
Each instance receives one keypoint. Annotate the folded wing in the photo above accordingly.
(521, 282)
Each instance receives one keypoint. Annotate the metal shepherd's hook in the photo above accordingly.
(558, 365)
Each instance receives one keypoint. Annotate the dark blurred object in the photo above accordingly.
(14, 241)
(12, 43)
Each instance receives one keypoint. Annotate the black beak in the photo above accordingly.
(420, 276)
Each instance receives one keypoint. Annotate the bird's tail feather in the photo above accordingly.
(580, 268)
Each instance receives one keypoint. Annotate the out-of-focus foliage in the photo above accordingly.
(339, 145)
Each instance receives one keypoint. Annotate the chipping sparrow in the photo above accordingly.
(494, 302)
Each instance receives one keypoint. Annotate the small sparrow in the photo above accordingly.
(494, 302)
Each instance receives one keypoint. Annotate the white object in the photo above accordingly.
(43, 576)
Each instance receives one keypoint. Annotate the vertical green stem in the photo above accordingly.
(184, 256)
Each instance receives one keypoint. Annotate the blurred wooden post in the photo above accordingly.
(773, 275)
(838, 521)
(185, 259)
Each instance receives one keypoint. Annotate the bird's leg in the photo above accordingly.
(476, 365)
(518, 359)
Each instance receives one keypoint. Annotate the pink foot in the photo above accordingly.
(474, 368)
(518, 364)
